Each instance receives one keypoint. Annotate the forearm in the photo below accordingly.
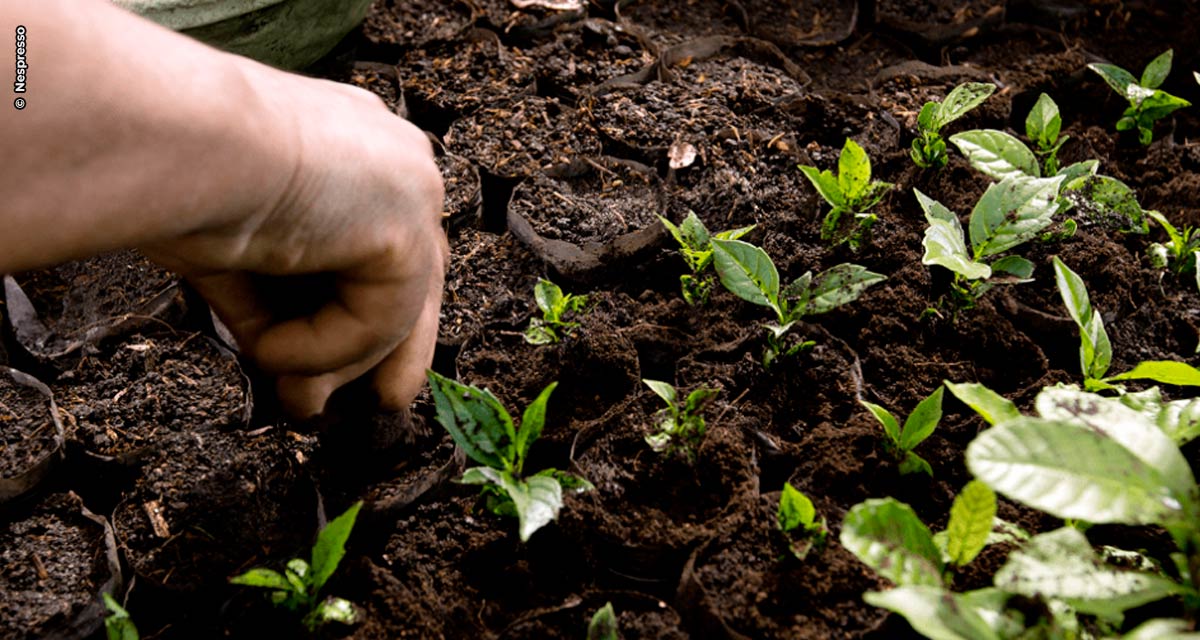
(130, 134)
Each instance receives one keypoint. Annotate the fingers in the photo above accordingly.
(233, 297)
(399, 378)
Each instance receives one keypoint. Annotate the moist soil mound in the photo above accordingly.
(575, 128)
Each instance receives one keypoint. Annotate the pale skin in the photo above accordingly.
(222, 169)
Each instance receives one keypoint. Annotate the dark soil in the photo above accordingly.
(555, 133)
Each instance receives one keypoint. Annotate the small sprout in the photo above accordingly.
(850, 194)
(797, 519)
(1095, 349)
(552, 326)
(1042, 127)
(917, 427)
(929, 149)
(680, 426)
(118, 625)
(1180, 252)
(1147, 103)
(298, 588)
(972, 517)
(1009, 213)
(485, 431)
(695, 244)
(604, 624)
(747, 272)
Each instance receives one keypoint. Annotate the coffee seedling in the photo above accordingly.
(298, 588)
(850, 194)
(747, 272)
(917, 427)
(485, 431)
(1180, 253)
(680, 426)
(555, 306)
(797, 520)
(1009, 213)
(118, 625)
(1147, 103)
(695, 244)
(929, 149)
(1095, 349)
(604, 624)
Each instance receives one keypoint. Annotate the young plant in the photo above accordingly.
(747, 272)
(680, 426)
(929, 149)
(298, 588)
(695, 244)
(797, 520)
(1180, 253)
(1095, 350)
(555, 306)
(1095, 459)
(1147, 103)
(1001, 155)
(118, 625)
(485, 431)
(604, 624)
(917, 427)
(850, 194)
(1009, 213)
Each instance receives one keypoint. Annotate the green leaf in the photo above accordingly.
(532, 422)
(117, 625)
(1011, 212)
(694, 233)
(1164, 371)
(548, 296)
(839, 285)
(826, 185)
(476, 420)
(922, 421)
(934, 612)
(913, 463)
(1116, 77)
(1157, 71)
(890, 426)
(1071, 472)
(1163, 629)
(927, 118)
(1015, 266)
(734, 234)
(1132, 429)
(747, 271)
(1179, 419)
(1095, 349)
(1106, 201)
(604, 624)
(962, 99)
(537, 500)
(1159, 105)
(263, 578)
(568, 481)
(663, 390)
(889, 537)
(1062, 564)
(944, 244)
(970, 525)
(334, 610)
(698, 399)
(990, 406)
(1172, 233)
(675, 232)
(480, 475)
(539, 333)
(1078, 170)
(330, 547)
(1044, 122)
(795, 509)
(997, 154)
(854, 172)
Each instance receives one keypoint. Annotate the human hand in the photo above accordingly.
(362, 204)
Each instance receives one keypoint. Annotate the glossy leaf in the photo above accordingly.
(826, 185)
(1163, 629)
(990, 406)
(890, 426)
(532, 423)
(1164, 371)
(795, 509)
(960, 100)
(1014, 267)
(1062, 564)
(944, 243)
(1108, 201)
(1077, 170)
(1116, 77)
(117, 625)
(747, 272)
(1071, 472)
(664, 390)
(330, 546)
(475, 419)
(1157, 70)
(547, 295)
(1044, 122)
(854, 172)
(934, 612)
(889, 537)
(922, 421)
(603, 625)
(1011, 212)
(997, 154)
(970, 526)
(1095, 349)
(839, 285)
(537, 500)
(263, 578)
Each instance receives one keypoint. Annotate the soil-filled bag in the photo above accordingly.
(31, 431)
